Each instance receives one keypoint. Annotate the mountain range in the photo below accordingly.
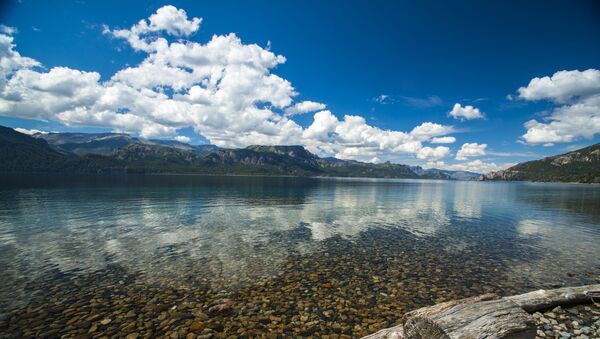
(582, 165)
(122, 153)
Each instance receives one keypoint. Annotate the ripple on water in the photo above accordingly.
(294, 256)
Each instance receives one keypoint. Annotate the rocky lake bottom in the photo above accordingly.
(333, 292)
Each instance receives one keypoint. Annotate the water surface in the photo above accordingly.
(295, 256)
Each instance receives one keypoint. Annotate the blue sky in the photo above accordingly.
(396, 64)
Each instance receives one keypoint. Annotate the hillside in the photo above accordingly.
(435, 173)
(19, 152)
(122, 153)
(582, 165)
(23, 153)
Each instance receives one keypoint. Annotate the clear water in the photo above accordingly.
(383, 244)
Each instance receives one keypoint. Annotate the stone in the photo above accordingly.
(197, 326)
(226, 306)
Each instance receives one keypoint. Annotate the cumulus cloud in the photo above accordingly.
(428, 130)
(182, 138)
(224, 89)
(433, 153)
(577, 116)
(443, 140)
(465, 113)
(562, 86)
(169, 19)
(353, 138)
(469, 150)
(304, 107)
(8, 30)
(11, 60)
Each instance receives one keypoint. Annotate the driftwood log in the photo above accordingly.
(485, 316)
(544, 299)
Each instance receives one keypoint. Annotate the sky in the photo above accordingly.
(464, 85)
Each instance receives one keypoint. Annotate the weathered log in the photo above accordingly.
(544, 299)
(479, 317)
(396, 332)
(485, 316)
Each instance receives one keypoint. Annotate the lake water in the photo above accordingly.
(287, 256)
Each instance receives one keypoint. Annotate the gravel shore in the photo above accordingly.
(581, 322)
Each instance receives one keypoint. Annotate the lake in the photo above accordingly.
(276, 255)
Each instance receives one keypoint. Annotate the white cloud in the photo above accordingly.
(469, 150)
(476, 166)
(428, 130)
(182, 138)
(429, 153)
(465, 113)
(578, 114)
(353, 138)
(304, 107)
(169, 19)
(224, 89)
(29, 131)
(174, 21)
(11, 60)
(8, 30)
(443, 140)
(562, 86)
(382, 99)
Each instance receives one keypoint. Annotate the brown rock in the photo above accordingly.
(226, 306)
(197, 326)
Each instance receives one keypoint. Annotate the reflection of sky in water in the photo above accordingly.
(240, 226)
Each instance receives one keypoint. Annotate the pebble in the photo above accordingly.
(567, 323)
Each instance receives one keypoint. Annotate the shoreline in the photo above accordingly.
(518, 316)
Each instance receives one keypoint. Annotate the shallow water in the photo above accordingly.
(295, 256)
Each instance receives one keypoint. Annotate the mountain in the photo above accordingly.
(107, 143)
(22, 153)
(351, 168)
(201, 150)
(582, 165)
(122, 153)
(284, 160)
(87, 143)
(435, 173)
